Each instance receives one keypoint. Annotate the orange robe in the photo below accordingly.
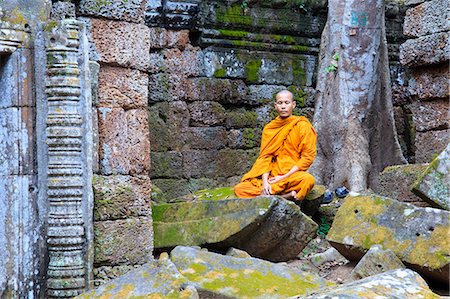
(285, 143)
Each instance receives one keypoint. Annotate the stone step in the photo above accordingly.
(418, 236)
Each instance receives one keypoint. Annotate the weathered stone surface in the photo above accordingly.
(433, 115)
(122, 87)
(129, 10)
(430, 82)
(163, 38)
(427, 18)
(156, 279)
(200, 163)
(418, 236)
(115, 241)
(376, 261)
(166, 122)
(205, 113)
(204, 138)
(429, 144)
(234, 252)
(187, 62)
(241, 118)
(400, 283)
(166, 164)
(103, 274)
(63, 10)
(164, 190)
(221, 276)
(330, 255)
(124, 44)
(310, 204)
(244, 138)
(425, 50)
(434, 184)
(203, 222)
(224, 91)
(259, 94)
(395, 182)
(124, 141)
(118, 197)
(167, 87)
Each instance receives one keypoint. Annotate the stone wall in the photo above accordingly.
(426, 54)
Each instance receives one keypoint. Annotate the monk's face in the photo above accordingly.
(284, 104)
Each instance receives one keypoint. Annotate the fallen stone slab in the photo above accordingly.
(395, 182)
(399, 284)
(234, 252)
(221, 276)
(376, 261)
(418, 236)
(329, 255)
(156, 279)
(267, 227)
(434, 184)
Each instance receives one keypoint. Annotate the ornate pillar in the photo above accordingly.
(69, 175)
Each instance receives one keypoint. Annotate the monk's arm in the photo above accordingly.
(278, 178)
(266, 188)
(307, 149)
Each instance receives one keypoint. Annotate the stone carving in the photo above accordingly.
(66, 233)
(172, 14)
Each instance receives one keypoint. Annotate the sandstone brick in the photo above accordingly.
(263, 93)
(170, 189)
(163, 38)
(187, 62)
(166, 164)
(395, 182)
(241, 118)
(234, 162)
(218, 90)
(122, 87)
(204, 138)
(244, 138)
(430, 82)
(124, 44)
(427, 18)
(165, 87)
(197, 163)
(115, 241)
(130, 10)
(429, 144)
(119, 197)
(124, 141)
(430, 115)
(426, 50)
(206, 113)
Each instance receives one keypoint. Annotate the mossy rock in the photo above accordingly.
(156, 279)
(418, 236)
(230, 277)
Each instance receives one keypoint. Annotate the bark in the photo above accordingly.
(353, 113)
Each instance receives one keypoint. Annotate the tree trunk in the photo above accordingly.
(353, 113)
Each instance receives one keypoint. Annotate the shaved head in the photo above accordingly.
(285, 93)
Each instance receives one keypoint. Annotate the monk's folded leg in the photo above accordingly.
(247, 190)
(300, 182)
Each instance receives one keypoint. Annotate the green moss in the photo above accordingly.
(16, 17)
(298, 72)
(50, 25)
(233, 15)
(299, 95)
(234, 33)
(252, 68)
(220, 73)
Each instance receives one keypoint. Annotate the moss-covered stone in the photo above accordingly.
(418, 236)
(154, 280)
(241, 119)
(202, 222)
(233, 277)
(400, 283)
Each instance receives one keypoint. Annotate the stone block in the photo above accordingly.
(400, 283)
(124, 141)
(234, 252)
(206, 113)
(94, 68)
(329, 255)
(197, 163)
(429, 144)
(310, 204)
(103, 274)
(234, 162)
(155, 279)
(241, 118)
(224, 91)
(221, 276)
(166, 164)
(433, 115)
(130, 10)
(204, 138)
(434, 184)
(164, 87)
(63, 10)
(118, 197)
(427, 18)
(430, 82)
(124, 44)
(376, 261)
(162, 38)
(209, 194)
(261, 94)
(425, 50)
(115, 241)
(418, 236)
(187, 62)
(122, 87)
(206, 222)
(244, 138)
(168, 189)
(395, 182)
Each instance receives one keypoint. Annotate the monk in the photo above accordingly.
(288, 148)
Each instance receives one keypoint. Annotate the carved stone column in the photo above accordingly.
(69, 172)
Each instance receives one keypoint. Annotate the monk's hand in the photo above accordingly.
(276, 179)
(266, 188)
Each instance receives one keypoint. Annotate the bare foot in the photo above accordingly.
(290, 196)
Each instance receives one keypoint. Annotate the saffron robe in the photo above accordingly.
(285, 143)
